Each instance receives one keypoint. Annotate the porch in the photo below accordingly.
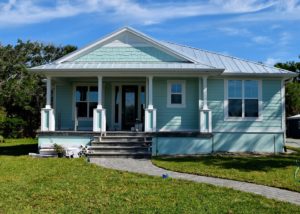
(103, 103)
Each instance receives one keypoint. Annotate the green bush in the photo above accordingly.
(12, 127)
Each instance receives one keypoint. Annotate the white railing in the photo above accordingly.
(47, 119)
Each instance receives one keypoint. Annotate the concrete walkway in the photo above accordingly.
(145, 166)
(293, 142)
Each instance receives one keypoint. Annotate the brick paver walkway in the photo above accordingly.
(145, 166)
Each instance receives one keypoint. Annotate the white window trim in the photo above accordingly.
(243, 118)
(169, 84)
(74, 99)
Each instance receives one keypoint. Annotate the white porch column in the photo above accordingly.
(150, 112)
(150, 88)
(47, 113)
(48, 95)
(99, 114)
(205, 116)
(99, 106)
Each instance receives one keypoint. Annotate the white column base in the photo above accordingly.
(205, 121)
(47, 119)
(99, 120)
(150, 120)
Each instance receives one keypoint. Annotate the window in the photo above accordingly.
(86, 100)
(176, 93)
(243, 98)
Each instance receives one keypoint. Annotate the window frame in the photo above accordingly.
(226, 102)
(74, 99)
(169, 94)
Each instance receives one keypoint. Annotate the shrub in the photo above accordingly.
(12, 127)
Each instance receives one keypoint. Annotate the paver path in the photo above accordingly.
(145, 166)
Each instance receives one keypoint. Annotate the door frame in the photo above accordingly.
(118, 126)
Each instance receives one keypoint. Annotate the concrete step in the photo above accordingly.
(124, 133)
(107, 147)
(121, 143)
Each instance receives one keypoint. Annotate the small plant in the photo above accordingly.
(59, 150)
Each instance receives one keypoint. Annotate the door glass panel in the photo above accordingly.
(130, 106)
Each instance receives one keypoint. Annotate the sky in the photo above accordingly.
(265, 31)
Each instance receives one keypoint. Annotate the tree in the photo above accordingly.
(292, 88)
(22, 92)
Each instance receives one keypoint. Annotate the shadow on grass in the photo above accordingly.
(245, 164)
(17, 150)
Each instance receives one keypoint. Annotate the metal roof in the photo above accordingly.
(232, 65)
(198, 59)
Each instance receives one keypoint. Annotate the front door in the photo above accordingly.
(129, 106)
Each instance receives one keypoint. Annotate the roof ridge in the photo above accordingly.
(224, 55)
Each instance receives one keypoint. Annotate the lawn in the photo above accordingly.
(277, 171)
(31, 185)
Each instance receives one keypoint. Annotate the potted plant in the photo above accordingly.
(59, 150)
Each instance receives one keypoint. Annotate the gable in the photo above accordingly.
(126, 47)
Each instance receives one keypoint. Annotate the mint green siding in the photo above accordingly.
(127, 54)
(271, 109)
(65, 141)
(170, 118)
(248, 142)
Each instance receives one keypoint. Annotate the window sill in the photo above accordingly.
(255, 119)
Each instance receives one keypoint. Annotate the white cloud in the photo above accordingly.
(272, 61)
(131, 11)
(235, 31)
(262, 40)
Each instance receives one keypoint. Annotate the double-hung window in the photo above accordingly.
(176, 93)
(243, 99)
(86, 100)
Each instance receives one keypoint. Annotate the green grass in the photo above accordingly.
(31, 185)
(277, 171)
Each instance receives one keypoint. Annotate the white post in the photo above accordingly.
(150, 85)
(99, 106)
(99, 114)
(150, 112)
(205, 115)
(48, 96)
(47, 113)
(204, 78)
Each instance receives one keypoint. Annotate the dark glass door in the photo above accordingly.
(129, 106)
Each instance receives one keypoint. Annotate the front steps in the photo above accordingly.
(121, 144)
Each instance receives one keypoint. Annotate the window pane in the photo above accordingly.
(176, 99)
(251, 108)
(176, 88)
(235, 88)
(81, 109)
(81, 93)
(93, 94)
(93, 105)
(251, 89)
(235, 108)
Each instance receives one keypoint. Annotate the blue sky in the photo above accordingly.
(260, 30)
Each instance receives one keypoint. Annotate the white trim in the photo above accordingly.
(100, 92)
(183, 94)
(114, 34)
(249, 130)
(204, 79)
(150, 95)
(243, 118)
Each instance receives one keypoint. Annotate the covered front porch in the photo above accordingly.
(133, 103)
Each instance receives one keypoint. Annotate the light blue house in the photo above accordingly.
(188, 100)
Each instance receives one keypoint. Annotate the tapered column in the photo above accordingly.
(99, 106)
(150, 112)
(99, 114)
(47, 113)
(205, 115)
